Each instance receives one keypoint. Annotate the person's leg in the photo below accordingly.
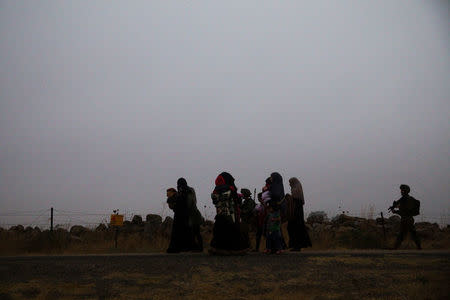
(245, 235)
(188, 239)
(174, 245)
(304, 240)
(402, 234)
(198, 240)
(290, 230)
(258, 238)
(268, 243)
(277, 242)
(414, 235)
(283, 241)
(217, 239)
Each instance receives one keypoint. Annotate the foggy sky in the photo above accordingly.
(103, 105)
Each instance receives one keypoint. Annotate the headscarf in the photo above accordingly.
(181, 184)
(219, 180)
(229, 180)
(276, 187)
(246, 193)
(183, 188)
(225, 182)
(182, 204)
(297, 190)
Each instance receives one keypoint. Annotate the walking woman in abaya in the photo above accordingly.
(298, 235)
(276, 190)
(181, 237)
(227, 237)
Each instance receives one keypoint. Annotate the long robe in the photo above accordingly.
(181, 237)
(298, 235)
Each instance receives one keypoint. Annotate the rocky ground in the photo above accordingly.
(307, 275)
(152, 235)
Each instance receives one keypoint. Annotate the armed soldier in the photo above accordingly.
(247, 207)
(407, 207)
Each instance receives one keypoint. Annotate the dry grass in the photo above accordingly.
(98, 242)
(343, 277)
(91, 242)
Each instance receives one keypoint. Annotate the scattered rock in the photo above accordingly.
(77, 230)
(137, 220)
(427, 230)
(101, 227)
(17, 228)
(166, 226)
(61, 230)
(153, 219)
(349, 221)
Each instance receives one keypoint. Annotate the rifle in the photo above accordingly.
(392, 208)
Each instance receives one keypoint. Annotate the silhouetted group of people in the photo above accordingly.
(236, 214)
(276, 208)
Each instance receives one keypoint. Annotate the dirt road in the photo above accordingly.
(306, 275)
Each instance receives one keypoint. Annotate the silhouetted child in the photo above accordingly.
(273, 228)
(261, 214)
(172, 198)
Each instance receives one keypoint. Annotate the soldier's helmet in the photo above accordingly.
(405, 188)
(246, 193)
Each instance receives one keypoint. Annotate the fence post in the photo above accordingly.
(51, 219)
(115, 236)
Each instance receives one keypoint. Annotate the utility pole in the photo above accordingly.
(382, 223)
(51, 219)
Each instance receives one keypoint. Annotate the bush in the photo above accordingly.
(317, 217)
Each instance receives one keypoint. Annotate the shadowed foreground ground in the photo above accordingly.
(307, 275)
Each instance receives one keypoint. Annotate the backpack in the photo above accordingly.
(414, 207)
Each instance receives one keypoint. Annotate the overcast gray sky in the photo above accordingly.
(104, 104)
